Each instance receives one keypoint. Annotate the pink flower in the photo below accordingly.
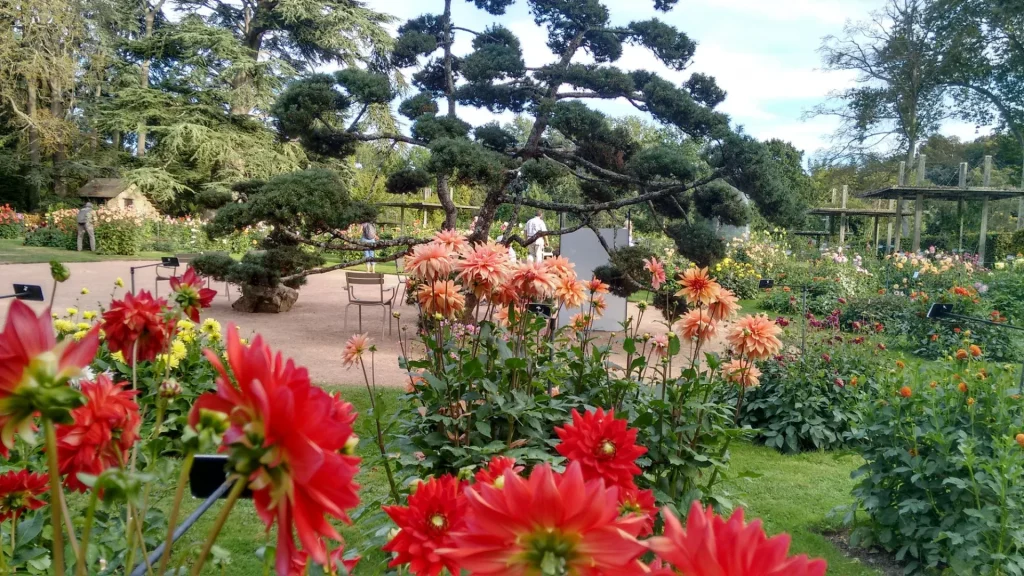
(657, 270)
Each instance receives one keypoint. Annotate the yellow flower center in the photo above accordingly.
(607, 448)
(438, 522)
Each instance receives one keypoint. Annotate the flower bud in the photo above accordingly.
(59, 272)
(170, 389)
(350, 445)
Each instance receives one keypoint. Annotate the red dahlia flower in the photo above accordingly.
(494, 472)
(287, 437)
(640, 503)
(436, 509)
(547, 518)
(190, 294)
(711, 546)
(19, 491)
(103, 431)
(301, 559)
(140, 319)
(604, 447)
(31, 359)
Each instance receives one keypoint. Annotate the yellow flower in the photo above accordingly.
(213, 337)
(119, 357)
(63, 326)
(210, 327)
(83, 325)
(178, 350)
(88, 314)
(85, 291)
(186, 325)
(244, 341)
(119, 283)
(72, 311)
(80, 334)
(164, 359)
(54, 315)
(187, 336)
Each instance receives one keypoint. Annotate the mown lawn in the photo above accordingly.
(15, 252)
(793, 494)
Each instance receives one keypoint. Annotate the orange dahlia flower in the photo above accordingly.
(657, 270)
(451, 240)
(711, 546)
(975, 350)
(287, 439)
(436, 509)
(597, 287)
(561, 267)
(605, 447)
(961, 354)
(429, 262)
(483, 268)
(442, 297)
(570, 291)
(660, 343)
(742, 373)
(755, 337)
(695, 326)
(725, 305)
(598, 305)
(355, 347)
(698, 286)
(531, 522)
(532, 281)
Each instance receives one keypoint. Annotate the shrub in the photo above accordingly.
(11, 223)
(50, 237)
(812, 402)
(943, 482)
(118, 232)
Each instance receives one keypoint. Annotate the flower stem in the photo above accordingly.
(55, 508)
(90, 513)
(236, 492)
(67, 521)
(172, 520)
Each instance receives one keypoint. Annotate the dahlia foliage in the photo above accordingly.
(588, 520)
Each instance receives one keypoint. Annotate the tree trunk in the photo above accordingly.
(33, 132)
(140, 144)
(444, 195)
(60, 186)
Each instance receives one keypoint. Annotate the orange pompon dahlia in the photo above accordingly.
(355, 347)
(642, 504)
(975, 350)
(429, 262)
(19, 491)
(724, 306)
(698, 286)
(529, 524)
(711, 546)
(494, 472)
(695, 326)
(597, 287)
(532, 281)
(436, 509)
(442, 297)
(605, 447)
(30, 360)
(484, 268)
(287, 439)
(138, 321)
(755, 337)
(657, 270)
(742, 372)
(451, 240)
(102, 433)
(561, 267)
(189, 293)
(570, 292)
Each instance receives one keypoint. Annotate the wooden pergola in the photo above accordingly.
(961, 193)
(424, 207)
(843, 213)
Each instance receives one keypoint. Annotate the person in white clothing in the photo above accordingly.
(535, 251)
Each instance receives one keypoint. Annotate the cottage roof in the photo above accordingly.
(103, 188)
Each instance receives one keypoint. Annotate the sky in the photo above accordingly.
(763, 53)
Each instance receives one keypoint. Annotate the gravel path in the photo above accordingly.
(312, 333)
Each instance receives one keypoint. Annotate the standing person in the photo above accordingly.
(535, 251)
(369, 238)
(85, 227)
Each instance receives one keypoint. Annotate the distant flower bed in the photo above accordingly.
(11, 223)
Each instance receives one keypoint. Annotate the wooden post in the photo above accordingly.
(888, 228)
(919, 177)
(899, 222)
(918, 202)
(426, 196)
(983, 236)
(842, 217)
(903, 174)
(960, 205)
(401, 220)
(875, 245)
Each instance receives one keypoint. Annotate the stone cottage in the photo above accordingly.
(116, 193)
